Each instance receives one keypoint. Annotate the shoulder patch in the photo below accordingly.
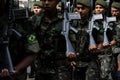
(31, 38)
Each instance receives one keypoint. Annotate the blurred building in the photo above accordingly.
(26, 3)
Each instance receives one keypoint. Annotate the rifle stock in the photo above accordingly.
(91, 26)
(7, 31)
(68, 16)
(106, 27)
(106, 24)
(7, 62)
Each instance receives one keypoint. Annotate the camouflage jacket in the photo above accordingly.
(80, 42)
(116, 48)
(51, 44)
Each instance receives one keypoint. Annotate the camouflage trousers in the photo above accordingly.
(58, 74)
(103, 68)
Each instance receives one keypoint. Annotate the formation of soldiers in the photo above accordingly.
(66, 39)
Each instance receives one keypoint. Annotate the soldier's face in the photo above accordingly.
(83, 10)
(37, 9)
(49, 4)
(58, 8)
(99, 9)
(115, 12)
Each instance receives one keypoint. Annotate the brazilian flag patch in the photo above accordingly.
(31, 38)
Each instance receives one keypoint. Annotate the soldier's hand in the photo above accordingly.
(98, 49)
(105, 44)
(5, 75)
(73, 64)
(92, 47)
(5, 72)
(113, 42)
(71, 55)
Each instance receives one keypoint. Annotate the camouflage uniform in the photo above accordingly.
(85, 65)
(80, 42)
(116, 48)
(105, 59)
(52, 64)
(33, 18)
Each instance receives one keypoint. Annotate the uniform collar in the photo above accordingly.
(57, 18)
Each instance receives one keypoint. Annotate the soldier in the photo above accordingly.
(20, 58)
(37, 9)
(52, 64)
(115, 11)
(80, 40)
(59, 7)
(103, 52)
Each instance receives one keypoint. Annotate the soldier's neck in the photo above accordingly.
(51, 14)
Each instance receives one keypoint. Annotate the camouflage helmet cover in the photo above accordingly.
(102, 3)
(84, 2)
(38, 3)
(116, 5)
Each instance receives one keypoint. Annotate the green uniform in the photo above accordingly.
(80, 42)
(105, 59)
(116, 48)
(52, 64)
(117, 37)
(87, 67)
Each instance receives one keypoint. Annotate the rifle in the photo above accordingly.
(7, 31)
(106, 27)
(91, 26)
(106, 24)
(68, 16)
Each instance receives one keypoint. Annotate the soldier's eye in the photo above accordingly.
(36, 7)
(115, 11)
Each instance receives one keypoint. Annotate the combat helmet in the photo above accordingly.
(84, 2)
(102, 3)
(116, 5)
(38, 3)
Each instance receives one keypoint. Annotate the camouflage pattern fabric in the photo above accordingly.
(52, 63)
(80, 42)
(105, 59)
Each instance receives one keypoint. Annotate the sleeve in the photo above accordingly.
(32, 43)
